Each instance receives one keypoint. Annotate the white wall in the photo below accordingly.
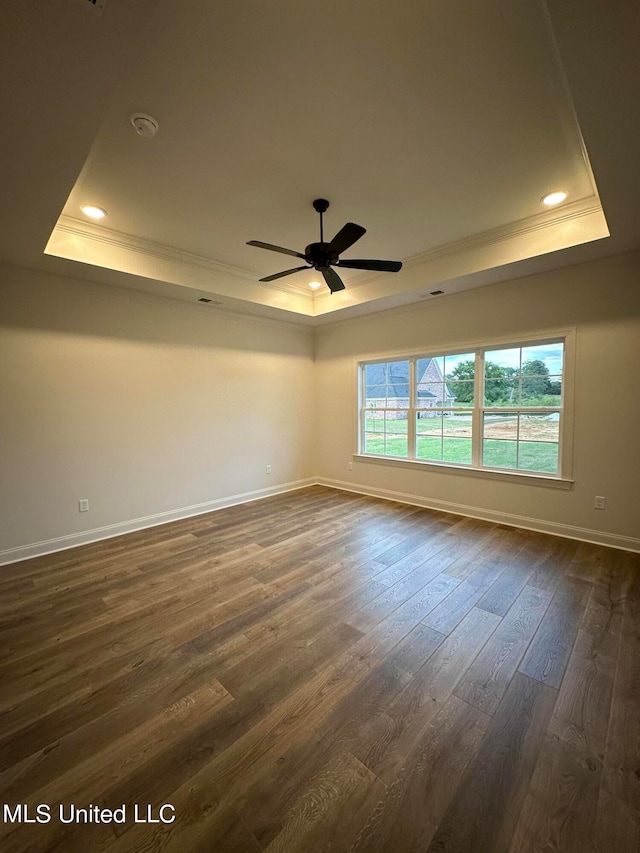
(602, 301)
(140, 404)
(147, 405)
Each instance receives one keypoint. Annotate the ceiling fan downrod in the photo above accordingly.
(321, 205)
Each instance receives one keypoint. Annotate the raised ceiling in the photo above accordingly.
(437, 126)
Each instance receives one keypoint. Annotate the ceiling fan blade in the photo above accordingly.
(332, 278)
(286, 272)
(273, 248)
(346, 237)
(382, 266)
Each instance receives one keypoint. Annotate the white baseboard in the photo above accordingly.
(583, 534)
(74, 540)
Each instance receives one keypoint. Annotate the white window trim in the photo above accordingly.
(564, 480)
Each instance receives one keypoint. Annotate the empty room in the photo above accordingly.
(319, 427)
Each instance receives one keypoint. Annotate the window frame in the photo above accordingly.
(561, 479)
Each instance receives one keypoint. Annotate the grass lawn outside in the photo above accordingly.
(446, 440)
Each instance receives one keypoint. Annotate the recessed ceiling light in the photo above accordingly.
(314, 285)
(556, 197)
(93, 212)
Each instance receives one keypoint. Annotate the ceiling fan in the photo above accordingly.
(323, 256)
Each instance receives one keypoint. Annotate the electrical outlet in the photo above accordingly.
(83, 506)
(268, 469)
(599, 502)
(351, 466)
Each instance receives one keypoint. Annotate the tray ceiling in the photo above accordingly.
(438, 127)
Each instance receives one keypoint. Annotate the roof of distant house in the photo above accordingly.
(391, 380)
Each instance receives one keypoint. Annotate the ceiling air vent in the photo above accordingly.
(208, 301)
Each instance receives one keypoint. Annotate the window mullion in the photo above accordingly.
(476, 418)
(361, 409)
(411, 414)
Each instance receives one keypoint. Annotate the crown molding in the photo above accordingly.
(495, 236)
(541, 233)
(80, 229)
(520, 228)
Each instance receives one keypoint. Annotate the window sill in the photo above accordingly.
(486, 473)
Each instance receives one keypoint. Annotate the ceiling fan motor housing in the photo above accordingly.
(320, 255)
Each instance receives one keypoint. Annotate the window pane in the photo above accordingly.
(538, 456)
(430, 394)
(375, 374)
(508, 359)
(457, 450)
(452, 364)
(501, 426)
(499, 454)
(502, 377)
(429, 436)
(429, 448)
(460, 393)
(387, 382)
(430, 388)
(500, 446)
(504, 391)
(397, 371)
(376, 395)
(374, 432)
(374, 443)
(401, 401)
(541, 390)
(445, 381)
(538, 447)
(430, 369)
(540, 427)
(385, 433)
(373, 421)
(428, 423)
(550, 355)
(555, 389)
(460, 374)
(396, 434)
(457, 425)
(535, 383)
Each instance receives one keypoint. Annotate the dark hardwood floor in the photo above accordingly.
(322, 671)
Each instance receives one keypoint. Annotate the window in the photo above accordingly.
(387, 397)
(522, 407)
(496, 408)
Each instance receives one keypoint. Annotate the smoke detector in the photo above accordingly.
(144, 125)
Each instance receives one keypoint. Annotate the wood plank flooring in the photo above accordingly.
(322, 671)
